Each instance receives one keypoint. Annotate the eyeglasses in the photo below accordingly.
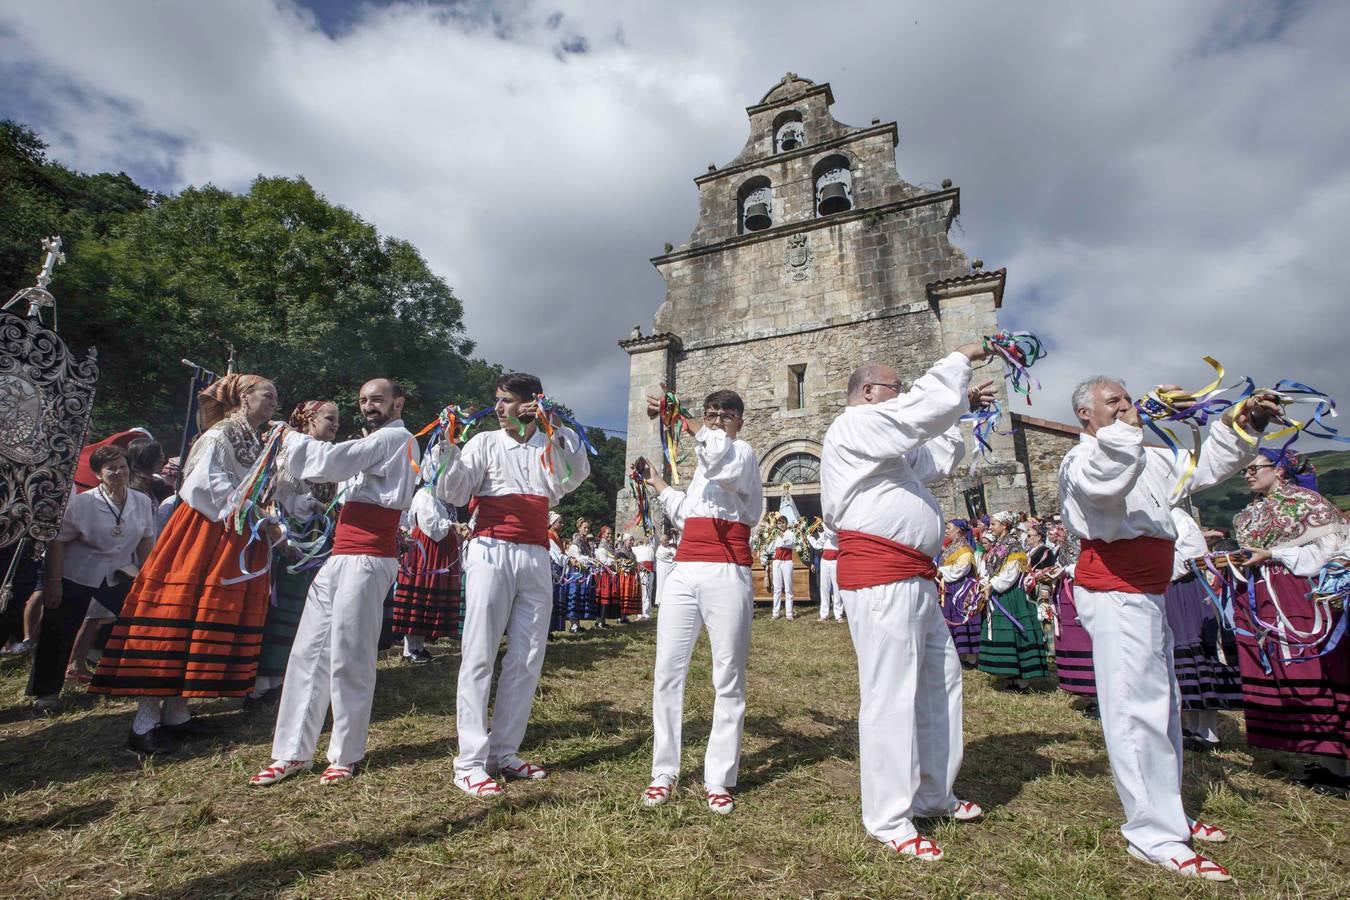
(720, 417)
(1251, 471)
(893, 385)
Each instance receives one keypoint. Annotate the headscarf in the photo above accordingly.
(303, 415)
(224, 396)
(1007, 517)
(963, 526)
(1296, 467)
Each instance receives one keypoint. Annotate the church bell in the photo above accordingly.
(834, 199)
(757, 217)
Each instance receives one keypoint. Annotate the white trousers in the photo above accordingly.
(663, 570)
(508, 590)
(829, 589)
(647, 583)
(909, 721)
(782, 584)
(719, 596)
(1140, 707)
(333, 660)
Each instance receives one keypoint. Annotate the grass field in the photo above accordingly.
(82, 818)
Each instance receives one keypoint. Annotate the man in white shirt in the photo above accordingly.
(824, 541)
(1116, 495)
(644, 551)
(709, 586)
(509, 582)
(336, 645)
(783, 545)
(877, 456)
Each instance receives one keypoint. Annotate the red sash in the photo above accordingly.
(648, 566)
(867, 560)
(365, 529)
(782, 553)
(519, 518)
(829, 554)
(714, 540)
(1141, 565)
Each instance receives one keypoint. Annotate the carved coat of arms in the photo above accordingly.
(797, 264)
(46, 396)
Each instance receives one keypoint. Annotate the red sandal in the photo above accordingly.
(720, 802)
(658, 792)
(918, 847)
(1210, 834)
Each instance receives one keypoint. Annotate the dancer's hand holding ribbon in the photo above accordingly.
(981, 396)
(1259, 411)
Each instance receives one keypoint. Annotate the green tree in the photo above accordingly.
(597, 497)
(309, 294)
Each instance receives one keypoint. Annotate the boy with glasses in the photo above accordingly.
(709, 585)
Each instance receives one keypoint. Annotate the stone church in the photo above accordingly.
(811, 255)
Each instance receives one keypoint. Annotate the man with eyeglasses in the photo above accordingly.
(1117, 496)
(877, 457)
(709, 586)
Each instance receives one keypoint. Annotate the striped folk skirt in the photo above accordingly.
(557, 621)
(1073, 645)
(1302, 706)
(283, 616)
(630, 593)
(426, 601)
(182, 632)
(581, 602)
(957, 598)
(1206, 681)
(1007, 650)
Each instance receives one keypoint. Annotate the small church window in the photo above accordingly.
(834, 185)
(755, 204)
(788, 132)
(796, 398)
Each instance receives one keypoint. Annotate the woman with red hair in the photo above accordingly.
(187, 629)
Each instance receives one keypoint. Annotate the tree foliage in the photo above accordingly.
(308, 293)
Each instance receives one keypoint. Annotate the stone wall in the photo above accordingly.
(1040, 446)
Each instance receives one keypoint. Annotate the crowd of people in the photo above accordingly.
(268, 565)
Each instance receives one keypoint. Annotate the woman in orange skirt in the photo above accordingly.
(187, 628)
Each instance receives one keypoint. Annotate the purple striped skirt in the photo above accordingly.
(1206, 680)
(957, 598)
(1073, 645)
(1301, 706)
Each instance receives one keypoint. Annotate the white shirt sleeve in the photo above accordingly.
(1006, 577)
(464, 471)
(315, 460)
(934, 404)
(937, 459)
(1104, 471)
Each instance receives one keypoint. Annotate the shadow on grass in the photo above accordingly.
(267, 877)
(74, 746)
(997, 767)
(71, 817)
(792, 750)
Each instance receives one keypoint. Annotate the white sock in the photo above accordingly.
(413, 643)
(147, 715)
(176, 710)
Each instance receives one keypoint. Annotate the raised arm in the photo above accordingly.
(895, 427)
(571, 464)
(1103, 472)
(716, 452)
(314, 460)
(1222, 455)
(464, 471)
(937, 459)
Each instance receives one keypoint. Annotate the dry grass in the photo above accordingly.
(82, 818)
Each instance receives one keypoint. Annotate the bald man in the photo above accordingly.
(333, 657)
(877, 457)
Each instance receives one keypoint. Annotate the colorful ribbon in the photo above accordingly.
(548, 409)
(1161, 406)
(1293, 392)
(1020, 350)
(985, 423)
(671, 421)
(637, 489)
(453, 426)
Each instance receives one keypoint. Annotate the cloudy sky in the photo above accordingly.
(1162, 180)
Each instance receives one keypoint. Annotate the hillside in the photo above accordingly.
(1218, 505)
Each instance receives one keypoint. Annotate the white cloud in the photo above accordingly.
(1163, 180)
